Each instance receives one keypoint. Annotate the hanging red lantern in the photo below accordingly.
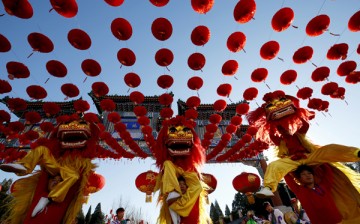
(132, 80)
(165, 99)
(329, 88)
(320, 74)
(209, 180)
(36, 92)
(315, 103)
(230, 67)
(191, 114)
(202, 6)
(247, 183)
(79, 39)
(114, 3)
(282, 19)
(5, 44)
(195, 83)
(166, 113)
(20, 8)
(219, 105)
(358, 49)
(137, 97)
(303, 54)
(339, 93)
(259, 75)
(317, 25)
(70, 90)
(164, 57)
(32, 117)
(121, 29)
(236, 41)
(338, 51)
(304, 93)
(41, 43)
(250, 93)
(91, 67)
(353, 77)
(161, 28)
(288, 77)
(242, 108)
(165, 81)
(244, 11)
(346, 68)
(146, 182)
(269, 50)
(126, 57)
(193, 102)
(196, 61)
(5, 86)
(200, 35)
(46, 126)
(224, 89)
(81, 106)
(17, 70)
(4, 116)
(354, 22)
(56, 68)
(65, 8)
(159, 3)
(51, 108)
(99, 89)
(95, 183)
(107, 105)
(215, 119)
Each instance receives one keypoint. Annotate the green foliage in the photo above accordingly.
(88, 216)
(97, 217)
(227, 211)
(80, 217)
(218, 209)
(213, 213)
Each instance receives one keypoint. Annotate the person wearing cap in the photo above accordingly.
(315, 197)
(275, 215)
(301, 216)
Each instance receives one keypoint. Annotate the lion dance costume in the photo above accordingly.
(179, 153)
(67, 153)
(283, 124)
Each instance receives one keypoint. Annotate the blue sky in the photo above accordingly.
(339, 125)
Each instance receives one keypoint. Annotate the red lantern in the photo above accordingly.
(244, 11)
(36, 92)
(318, 25)
(354, 22)
(161, 28)
(219, 105)
(247, 183)
(91, 67)
(230, 67)
(100, 89)
(202, 6)
(40, 42)
(269, 50)
(114, 3)
(282, 19)
(196, 61)
(210, 180)
(329, 88)
(4, 116)
(338, 51)
(17, 70)
(5, 44)
(165, 81)
(126, 57)
(242, 108)
(288, 77)
(79, 39)
(132, 80)
(195, 83)
(70, 90)
(164, 57)
(56, 68)
(250, 93)
(51, 108)
(16, 104)
(95, 183)
(193, 102)
(121, 29)
(303, 54)
(320, 74)
(5, 86)
(21, 9)
(304, 93)
(66, 8)
(259, 75)
(346, 68)
(146, 182)
(137, 97)
(159, 3)
(236, 41)
(200, 35)
(224, 89)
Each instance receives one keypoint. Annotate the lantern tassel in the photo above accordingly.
(148, 198)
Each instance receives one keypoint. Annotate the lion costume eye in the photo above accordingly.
(172, 130)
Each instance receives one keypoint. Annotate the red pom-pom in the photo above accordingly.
(236, 120)
(143, 120)
(100, 89)
(137, 97)
(114, 117)
(46, 126)
(140, 111)
(165, 99)
(215, 118)
(212, 128)
(4, 116)
(193, 102)
(226, 137)
(246, 138)
(166, 112)
(304, 93)
(104, 135)
(250, 93)
(51, 108)
(220, 105)
(32, 117)
(91, 117)
(107, 105)
(120, 127)
(191, 114)
(242, 108)
(147, 130)
(231, 128)
(81, 106)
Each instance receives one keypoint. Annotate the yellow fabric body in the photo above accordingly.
(42, 156)
(346, 187)
(167, 182)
